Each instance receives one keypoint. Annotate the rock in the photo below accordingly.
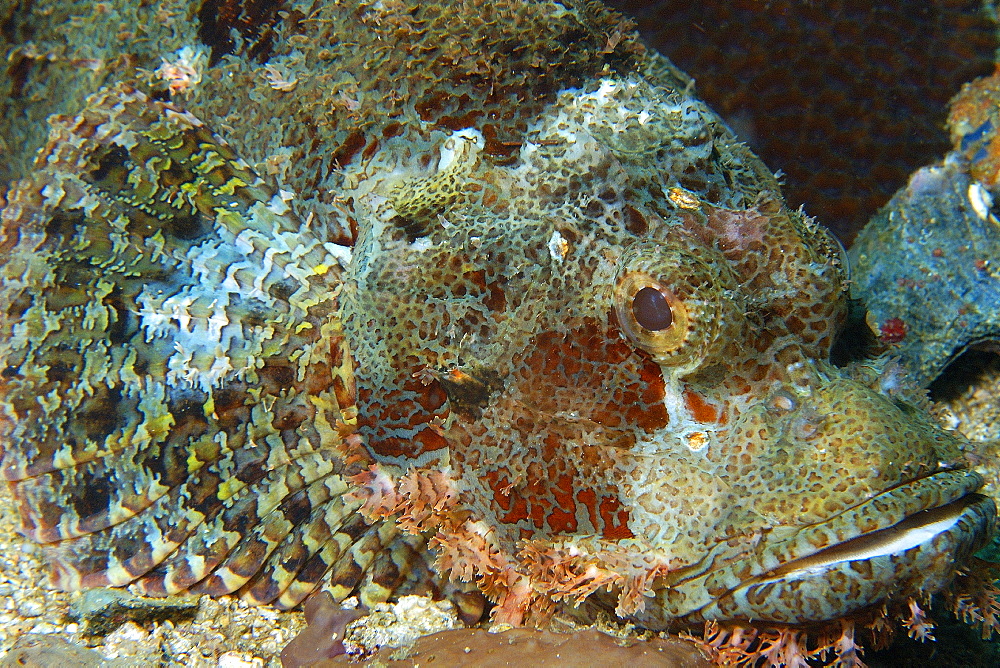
(101, 611)
(36, 650)
(927, 266)
(394, 625)
(584, 649)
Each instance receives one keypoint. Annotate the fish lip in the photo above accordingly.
(883, 511)
(904, 506)
(805, 577)
(915, 530)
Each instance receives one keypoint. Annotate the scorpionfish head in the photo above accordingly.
(619, 364)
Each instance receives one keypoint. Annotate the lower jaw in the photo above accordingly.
(911, 559)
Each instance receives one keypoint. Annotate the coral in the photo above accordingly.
(535, 647)
(973, 121)
(893, 330)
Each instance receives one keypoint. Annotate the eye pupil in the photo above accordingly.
(651, 309)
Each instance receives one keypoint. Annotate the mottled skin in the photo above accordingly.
(447, 387)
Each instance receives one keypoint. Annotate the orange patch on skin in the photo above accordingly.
(609, 416)
(561, 521)
(571, 362)
(551, 447)
(652, 395)
(533, 502)
(615, 518)
(430, 439)
(430, 395)
(497, 300)
(562, 518)
(518, 511)
(417, 406)
(700, 410)
(501, 489)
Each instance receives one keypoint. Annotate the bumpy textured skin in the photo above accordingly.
(427, 374)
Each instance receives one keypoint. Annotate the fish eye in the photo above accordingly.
(651, 309)
(677, 303)
(653, 316)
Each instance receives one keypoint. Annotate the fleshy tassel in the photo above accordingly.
(919, 625)
(975, 598)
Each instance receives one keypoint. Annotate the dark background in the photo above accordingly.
(846, 97)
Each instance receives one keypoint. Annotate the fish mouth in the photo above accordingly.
(905, 542)
(914, 531)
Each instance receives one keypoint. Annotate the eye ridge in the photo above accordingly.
(651, 310)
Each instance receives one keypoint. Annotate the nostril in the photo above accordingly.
(806, 428)
(782, 401)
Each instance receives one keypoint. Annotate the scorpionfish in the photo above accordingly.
(525, 325)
